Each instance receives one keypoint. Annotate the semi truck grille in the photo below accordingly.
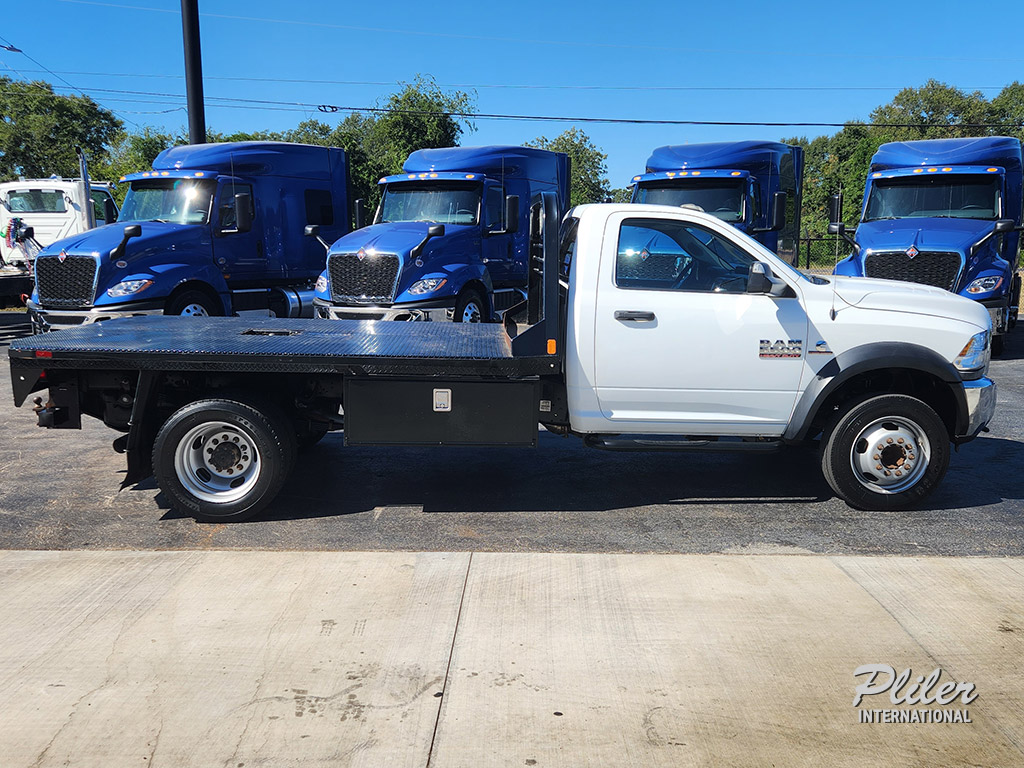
(937, 268)
(370, 280)
(68, 283)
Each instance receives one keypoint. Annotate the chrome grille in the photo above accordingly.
(71, 283)
(938, 268)
(369, 280)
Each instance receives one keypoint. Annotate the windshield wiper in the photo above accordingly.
(162, 221)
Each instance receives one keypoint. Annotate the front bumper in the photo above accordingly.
(56, 319)
(438, 310)
(981, 405)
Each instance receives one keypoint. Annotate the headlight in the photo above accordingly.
(985, 284)
(321, 284)
(429, 285)
(128, 287)
(975, 354)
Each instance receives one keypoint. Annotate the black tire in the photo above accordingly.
(464, 307)
(913, 458)
(193, 303)
(260, 446)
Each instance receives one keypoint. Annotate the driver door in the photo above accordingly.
(681, 347)
(241, 255)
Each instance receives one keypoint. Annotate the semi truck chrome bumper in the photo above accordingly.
(56, 319)
(981, 405)
(420, 313)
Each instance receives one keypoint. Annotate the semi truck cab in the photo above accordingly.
(754, 185)
(449, 238)
(212, 229)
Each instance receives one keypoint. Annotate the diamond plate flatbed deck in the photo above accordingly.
(354, 347)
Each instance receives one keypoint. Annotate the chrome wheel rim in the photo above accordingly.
(471, 313)
(890, 455)
(194, 310)
(217, 462)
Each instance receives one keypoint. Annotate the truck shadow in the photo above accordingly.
(563, 476)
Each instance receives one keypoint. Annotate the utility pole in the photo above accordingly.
(193, 71)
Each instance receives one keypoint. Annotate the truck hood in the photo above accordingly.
(898, 296)
(157, 236)
(926, 234)
(398, 237)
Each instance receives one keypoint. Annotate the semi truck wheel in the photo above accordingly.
(222, 460)
(470, 307)
(885, 452)
(192, 304)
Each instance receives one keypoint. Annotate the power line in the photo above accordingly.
(271, 105)
(511, 86)
(527, 41)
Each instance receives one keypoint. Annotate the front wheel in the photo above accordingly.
(470, 307)
(886, 452)
(192, 304)
(222, 459)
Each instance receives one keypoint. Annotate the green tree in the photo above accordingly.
(40, 129)
(589, 183)
(130, 153)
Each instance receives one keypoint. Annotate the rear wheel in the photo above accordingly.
(886, 452)
(223, 459)
(192, 304)
(470, 307)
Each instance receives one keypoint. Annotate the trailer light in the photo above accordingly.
(433, 175)
(975, 354)
(919, 170)
(670, 174)
(428, 285)
(985, 284)
(991, 170)
(552, 346)
(128, 287)
(199, 174)
(735, 173)
(932, 170)
(947, 169)
(684, 173)
(470, 175)
(696, 173)
(44, 353)
(412, 175)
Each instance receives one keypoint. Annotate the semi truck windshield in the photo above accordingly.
(723, 199)
(181, 201)
(961, 197)
(440, 203)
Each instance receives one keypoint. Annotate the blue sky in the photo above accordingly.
(813, 62)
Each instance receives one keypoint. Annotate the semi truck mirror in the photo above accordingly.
(243, 212)
(109, 211)
(1004, 225)
(778, 211)
(835, 211)
(360, 213)
(132, 230)
(511, 213)
(837, 228)
(311, 230)
(28, 233)
(435, 230)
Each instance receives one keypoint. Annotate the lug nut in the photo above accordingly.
(898, 473)
(887, 473)
(878, 466)
(231, 471)
(888, 440)
(239, 467)
(900, 440)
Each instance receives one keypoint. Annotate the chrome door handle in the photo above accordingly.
(631, 316)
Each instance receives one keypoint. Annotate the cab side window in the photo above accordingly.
(494, 208)
(671, 255)
(99, 197)
(227, 218)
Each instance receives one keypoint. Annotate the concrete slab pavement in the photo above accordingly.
(245, 659)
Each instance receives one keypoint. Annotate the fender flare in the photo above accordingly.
(873, 357)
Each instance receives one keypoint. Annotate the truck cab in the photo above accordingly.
(946, 213)
(211, 229)
(754, 185)
(449, 240)
(35, 213)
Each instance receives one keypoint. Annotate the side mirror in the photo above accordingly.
(837, 228)
(132, 230)
(511, 213)
(778, 211)
(28, 233)
(109, 211)
(758, 278)
(311, 230)
(1004, 225)
(243, 212)
(835, 212)
(435, 230)
(360, 205)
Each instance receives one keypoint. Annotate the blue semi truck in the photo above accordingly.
(449, 240)
(947, 213)
(754, 185)
(211, 229)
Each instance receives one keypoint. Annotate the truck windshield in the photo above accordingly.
(440, 203)
(36, 201)
(182, 201)
(723, 199)
(960, 197)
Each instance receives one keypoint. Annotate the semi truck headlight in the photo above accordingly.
(321, 284)
(975, 354)
(985, 284)
(128, 287)
(429, 285)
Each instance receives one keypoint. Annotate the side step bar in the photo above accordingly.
(673, 443)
